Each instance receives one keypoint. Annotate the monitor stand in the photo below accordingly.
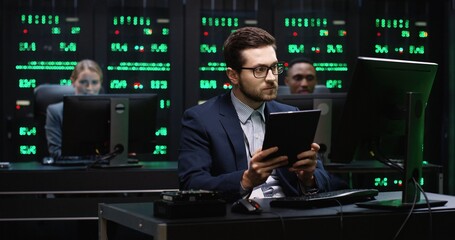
(119, 136)
(324, 130)
(412, 172)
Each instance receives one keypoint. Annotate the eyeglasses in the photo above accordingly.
(262, 71)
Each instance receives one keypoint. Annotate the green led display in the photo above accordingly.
(333, 83)
(68, 47)
(27, 149)
(207, 48)
(160, 150)
(56, 31)
(392, 23)
(305, 22)
(423, 34)
(162, 131)
(165, 103)
(380, 182)
(342, 33)
(337, 48)
(220, 22)
(165, 31)
(118, 84)
(27, 131)
(48, 65)
(381, 49)
(296, 48)
(323, 32)
(416, 49)
(331, 67)
(213, 66)
(140, 66)
(40, 19)
(75, 30)
(405, 33)
(147, 31)
(158, 84)
(27, 47)
(131, 20)
(27, 83)
(119, 47)
(159, 47)
(207, 84)
(65, 82)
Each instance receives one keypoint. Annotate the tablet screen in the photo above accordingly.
(292, 132)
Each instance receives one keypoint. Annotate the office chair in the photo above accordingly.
(45, 95)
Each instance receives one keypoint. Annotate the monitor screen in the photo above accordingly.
(114, 125)
(383, 116)
(375, 107)
(331, 106)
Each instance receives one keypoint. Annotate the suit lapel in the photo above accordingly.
(230, 122)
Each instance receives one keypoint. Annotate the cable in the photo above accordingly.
(409, 214)
(341, 218)
(100, 159)
(430, 231)
(417, 185)
(376, 154)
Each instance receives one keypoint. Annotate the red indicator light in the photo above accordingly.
(206, 34)
(138, 85)
(18, 107)
(317, 51)
(117, 32)
(295, 34)
(25, 31)
(378, 34)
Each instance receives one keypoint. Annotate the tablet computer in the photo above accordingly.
(292, 132)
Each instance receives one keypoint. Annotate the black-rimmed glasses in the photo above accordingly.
(262, 71)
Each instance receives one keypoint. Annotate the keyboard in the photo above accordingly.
(92, 162)
(326, 199)
(78, 162)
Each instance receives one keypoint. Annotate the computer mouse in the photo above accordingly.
(246, 206)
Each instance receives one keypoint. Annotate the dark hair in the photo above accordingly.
(300, 60)
(245, 38)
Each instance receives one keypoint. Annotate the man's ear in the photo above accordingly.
(232, 75)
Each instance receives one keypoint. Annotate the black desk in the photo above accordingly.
(31, 191)
(280, 223)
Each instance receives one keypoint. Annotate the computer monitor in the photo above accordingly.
(383, 118)
(110, 126)
(331, 106)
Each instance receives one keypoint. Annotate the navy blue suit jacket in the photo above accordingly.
(212, 154)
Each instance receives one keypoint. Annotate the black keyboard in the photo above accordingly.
(78, 162)
(326, 199)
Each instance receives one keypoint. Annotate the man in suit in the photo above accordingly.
(221, 139)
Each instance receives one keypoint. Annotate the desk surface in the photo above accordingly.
(33, 177)
(351, 221)
(30, 190)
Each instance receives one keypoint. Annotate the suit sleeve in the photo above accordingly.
(53, 129)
